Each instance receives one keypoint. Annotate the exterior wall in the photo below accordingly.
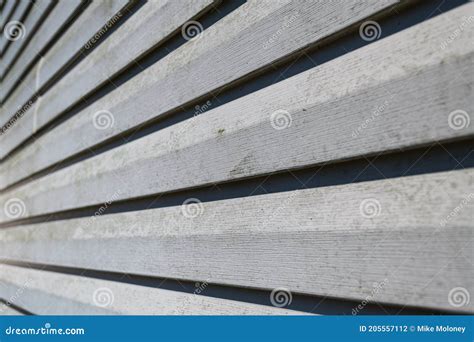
(236, 157)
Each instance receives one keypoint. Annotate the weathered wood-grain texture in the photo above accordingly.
(238, 139)
(60, 15)
(19, 12)
(34, 18)
(404, 241)
(49, 293)
(152, 23)
(245, 46)
(6, 13)
(70, 45)
(333, 241)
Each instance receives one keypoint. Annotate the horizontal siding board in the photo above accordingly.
(314, 241)
(146, 28)
(152, 23)
(237, 140)
(18, 15)
(34, 18)
(94, 17)
(404, 241)
(40, 294)
(310, 22)
(54, 23)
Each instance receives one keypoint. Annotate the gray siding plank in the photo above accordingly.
(20, 11)
(237, 140)
(152, 23)
(413, 234)
(38, 10)
(94, 17)
(40, 294)
(59, 16)
(159, 89)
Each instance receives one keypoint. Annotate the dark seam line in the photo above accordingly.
(134, 68)
(64, 27)
(8, 19)
(299, 302)
(36, 27)
(424, 160)
(22, 19)
(244, 86)
(16, 307)
(77, 58)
